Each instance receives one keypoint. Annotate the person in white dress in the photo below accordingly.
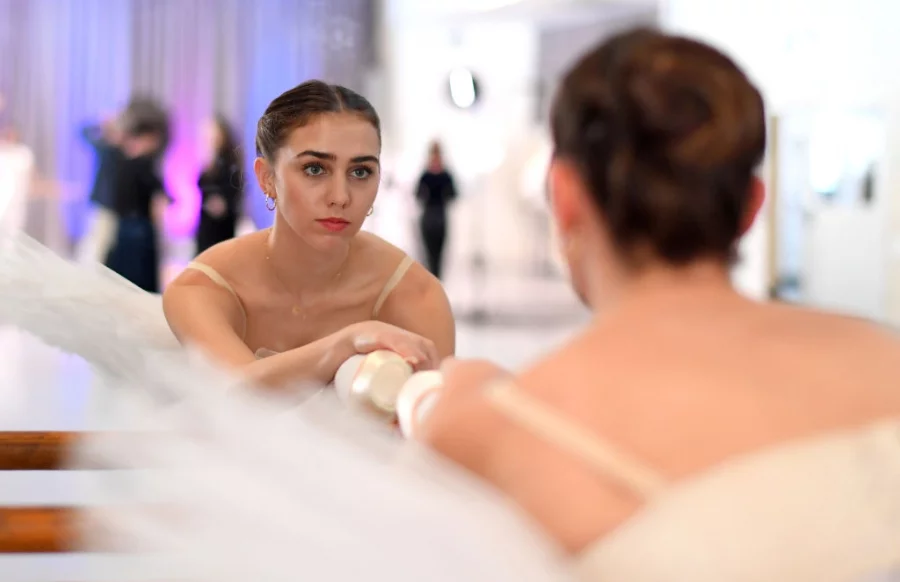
(16, 174)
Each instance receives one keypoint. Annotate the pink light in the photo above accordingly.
(180, 170)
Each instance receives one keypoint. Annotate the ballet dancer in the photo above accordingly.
(292, 302)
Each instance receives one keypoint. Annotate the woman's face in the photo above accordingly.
(326, 177)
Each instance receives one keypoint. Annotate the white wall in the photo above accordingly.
(823, 54)
(804, 54)
(419, 50)
(491, 146)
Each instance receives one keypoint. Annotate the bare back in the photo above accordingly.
(681, 388)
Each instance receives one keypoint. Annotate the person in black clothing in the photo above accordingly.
(435, 192)
(139, 202)
(220, 187)
(104, 139)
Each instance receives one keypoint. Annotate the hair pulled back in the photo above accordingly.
(667, 133)
(296, 107)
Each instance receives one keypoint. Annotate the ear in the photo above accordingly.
(754, 204)
(265, 176)
(567, 196)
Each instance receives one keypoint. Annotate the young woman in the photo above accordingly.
(688, 434)
(220, 186)
(435, 193)
(294, 301)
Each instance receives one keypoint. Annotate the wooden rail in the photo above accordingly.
(35, 451)
(38, 529)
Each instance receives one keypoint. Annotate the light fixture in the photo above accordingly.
(463, 88)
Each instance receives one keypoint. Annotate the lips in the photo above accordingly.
(334, 224)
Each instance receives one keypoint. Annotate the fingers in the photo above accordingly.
(420, 353)
(434, 358)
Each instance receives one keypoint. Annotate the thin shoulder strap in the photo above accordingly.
(600, 455)
(212, 274)
(395, 278)
(220, 281)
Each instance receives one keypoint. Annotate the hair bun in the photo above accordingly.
(667, 132)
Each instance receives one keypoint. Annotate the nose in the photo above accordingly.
(339, 192)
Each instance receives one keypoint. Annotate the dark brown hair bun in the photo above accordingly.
(667, 133)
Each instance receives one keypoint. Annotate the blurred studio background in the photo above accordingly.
(462, 86)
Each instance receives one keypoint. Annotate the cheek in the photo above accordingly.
(295, 194)
(363, 194)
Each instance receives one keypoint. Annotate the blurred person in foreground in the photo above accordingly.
(220, 185)
(435, 192)
(689, 433)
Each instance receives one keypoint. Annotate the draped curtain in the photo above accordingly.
(64, 63)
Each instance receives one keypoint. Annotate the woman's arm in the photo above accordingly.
(419, 304)
(450, 193)
(204, 314)
(422, 191)
(93, 135)
(231, 191)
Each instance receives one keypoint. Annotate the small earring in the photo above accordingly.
(371, 211)
(270, 207)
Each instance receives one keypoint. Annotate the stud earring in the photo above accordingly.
(270, 203)
(371, 211)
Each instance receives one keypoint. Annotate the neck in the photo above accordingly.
(297, 265)
(661, 285)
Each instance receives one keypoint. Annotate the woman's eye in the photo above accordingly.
(313, 170)
(361, 173)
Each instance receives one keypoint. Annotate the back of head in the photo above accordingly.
(296, 107)
(666, 133)
(144, 116)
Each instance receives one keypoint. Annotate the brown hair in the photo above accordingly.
(667, 133)
(295, 107)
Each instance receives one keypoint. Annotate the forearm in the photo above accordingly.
(316, 362)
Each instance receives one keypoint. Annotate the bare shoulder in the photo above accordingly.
(417, 301)
(375, 252)
(233, 259)
(416, 285)
(831, 330)
(463, 425)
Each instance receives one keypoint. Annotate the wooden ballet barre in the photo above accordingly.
(56, 450)
(35, 450)
(30, 530)
(67, 529)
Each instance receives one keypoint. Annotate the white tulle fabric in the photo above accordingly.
(232, 485)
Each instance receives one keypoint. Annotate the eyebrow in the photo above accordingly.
(332, 157)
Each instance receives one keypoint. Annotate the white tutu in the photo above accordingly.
(233, 485)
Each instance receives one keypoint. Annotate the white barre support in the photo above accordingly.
(384, 384)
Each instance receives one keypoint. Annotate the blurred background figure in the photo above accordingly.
(435, 193)
(140, 199)
(105, 139)
(220, 183)
(16, 169)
